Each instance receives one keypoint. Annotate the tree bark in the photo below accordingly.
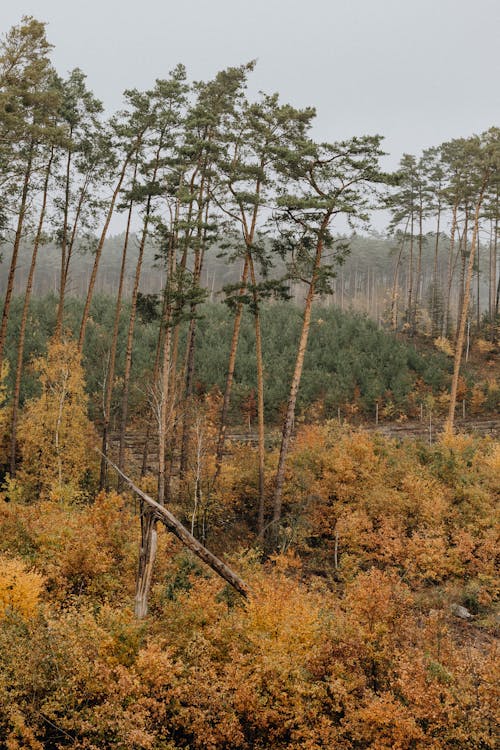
(114, 343)
(446, 316)
(98, 253)
(130, 340)
(294, 387)
(15, 251)
(69, 251)
(260, 402)
(230, 374)
(24, 319)
(463, 317)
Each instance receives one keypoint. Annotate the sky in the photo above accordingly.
(418, 72)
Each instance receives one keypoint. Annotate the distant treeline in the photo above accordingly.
(363, 282)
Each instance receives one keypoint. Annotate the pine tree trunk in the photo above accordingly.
(15, 252)
(190, 346)
(463, 317)
(463, 267)
(418, 290)
(294, 387)
(260, 401)
(114, 344)
(410, 281)
(98, 253)
(69, 251)
(130, 341)
(154, 379)
(395, 283)
(451, 251)
(230, 373)
(478, 287)
(24, 319)
(434, 311)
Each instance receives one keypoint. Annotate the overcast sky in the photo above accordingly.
(416, 71)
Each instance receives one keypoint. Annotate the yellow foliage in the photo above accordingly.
(445, 346)
(20, 589)
(55, 434)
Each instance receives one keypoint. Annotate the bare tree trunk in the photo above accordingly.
(478, 286)
(69, 251)
(230, 373)
(164, 409)
(434, 321)
(64, 238)
(15, 252)
(190, 346)
(154, 379)
(114, 343)
(260, 401)
(410, 280)
(130, 340)
(147, 557)
(395, 283)
(98, 253)
(446, 317)
(494, 301)
(294, 387)
(418, 290)
(24, 319)
(463, 317)
(463, 267)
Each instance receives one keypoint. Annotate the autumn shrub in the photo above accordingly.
(84, 550)
(20, 588)
(55, 434)
(426, 511)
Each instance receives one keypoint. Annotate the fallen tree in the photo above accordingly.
(159, 513)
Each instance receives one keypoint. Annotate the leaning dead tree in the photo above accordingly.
(159, 513)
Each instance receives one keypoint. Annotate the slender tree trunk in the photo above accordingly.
(494, 300)
(154, 377)
(294, 387)
(463, 318)
(64, 238)
(114, 344)
(190, 346)
(69, 251)
(249, 229)
(478, 286)
(24, 319)
(410, 280)
(446, 317)
(98, 253)
(147, 556)
(395, 283)
(260, 400)
(497, 300)
(130, 341)
(434, 311)
(463, 267)
(230, 373)
(418, 290)
(15, 251)
(166, 380)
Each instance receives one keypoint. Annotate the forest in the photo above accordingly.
(213, 532)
